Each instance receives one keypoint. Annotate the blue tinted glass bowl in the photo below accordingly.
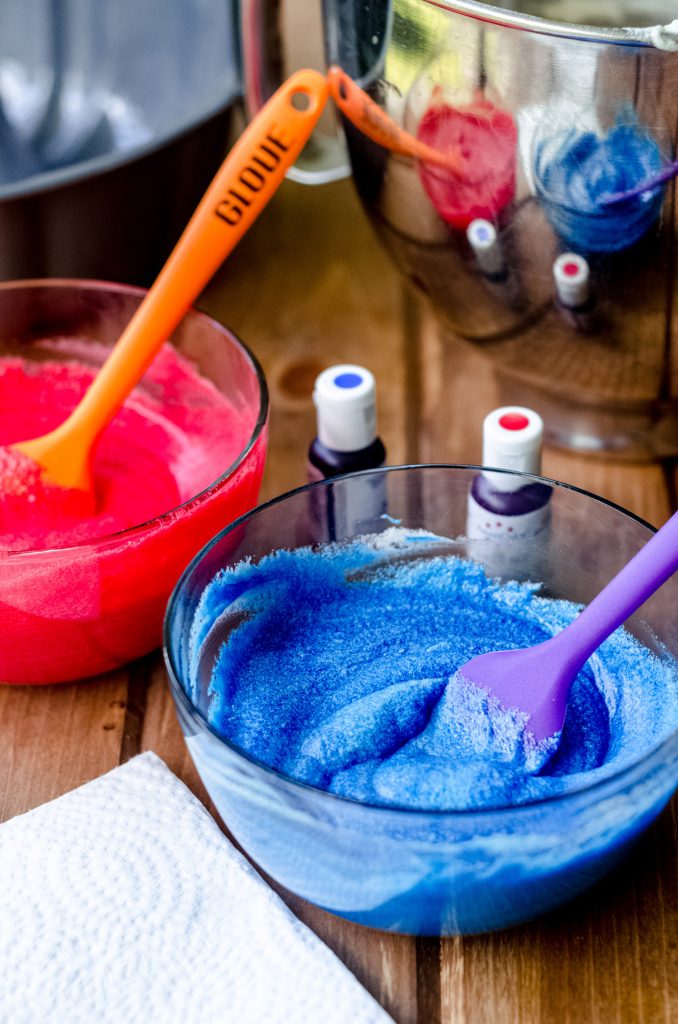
(430, 873)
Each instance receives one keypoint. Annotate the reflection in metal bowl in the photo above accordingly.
(604, 378)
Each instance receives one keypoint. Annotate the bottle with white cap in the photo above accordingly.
(345, 399)
(574, 293)
(484, 241)
(492, 263)
(502, 505)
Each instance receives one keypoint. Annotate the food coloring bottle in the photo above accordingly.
(484, 241)
(347, 441)
(500, 506)
(345, 399)
(490, 259)
(575, 298)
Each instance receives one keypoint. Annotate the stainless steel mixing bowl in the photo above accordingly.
(564, 82)
(113, 119)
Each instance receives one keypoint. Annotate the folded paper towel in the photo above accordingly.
(122, 901)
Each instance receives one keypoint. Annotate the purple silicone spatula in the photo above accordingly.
(666, 174)
(537, 680)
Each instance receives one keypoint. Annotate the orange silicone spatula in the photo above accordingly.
(374, 122)
(247, 179)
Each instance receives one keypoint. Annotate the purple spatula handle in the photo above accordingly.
(668, 172)
(624, 594)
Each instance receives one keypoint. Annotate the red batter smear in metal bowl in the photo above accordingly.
(486, 137)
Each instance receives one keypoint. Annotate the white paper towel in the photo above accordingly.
(123, 902)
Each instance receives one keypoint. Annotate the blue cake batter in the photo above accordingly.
(576, 170)
(337, 667)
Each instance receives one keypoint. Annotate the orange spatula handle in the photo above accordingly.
(374, 122)
(247, 179)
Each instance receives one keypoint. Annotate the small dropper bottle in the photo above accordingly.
(574, 294)
(503, 506)
(345, 398)
(491, 262)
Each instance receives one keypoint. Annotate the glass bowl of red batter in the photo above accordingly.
(183, 458)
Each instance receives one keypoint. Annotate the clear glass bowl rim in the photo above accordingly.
(615, 779)
(86, 284)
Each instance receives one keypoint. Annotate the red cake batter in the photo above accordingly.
(81, 589)
(165, 445)
(485, 136)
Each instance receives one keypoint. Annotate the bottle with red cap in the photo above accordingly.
(574, 293)
(502, 505)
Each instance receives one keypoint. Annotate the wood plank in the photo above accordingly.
(640, 488)
(322, 292)
(384, 963)
(609, 957)
(658, 89)
(303, 297)
(161, 733)
(54, 738)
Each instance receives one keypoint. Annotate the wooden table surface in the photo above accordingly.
(307, 288)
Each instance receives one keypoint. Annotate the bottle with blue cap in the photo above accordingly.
(345, 399)
(504, 506)
(492, 263)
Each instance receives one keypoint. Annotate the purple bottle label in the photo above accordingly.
(482, 523)
(506, 514)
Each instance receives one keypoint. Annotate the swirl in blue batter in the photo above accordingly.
(575, 170)
(338, 667)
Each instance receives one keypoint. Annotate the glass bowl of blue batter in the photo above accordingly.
(312, 650)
